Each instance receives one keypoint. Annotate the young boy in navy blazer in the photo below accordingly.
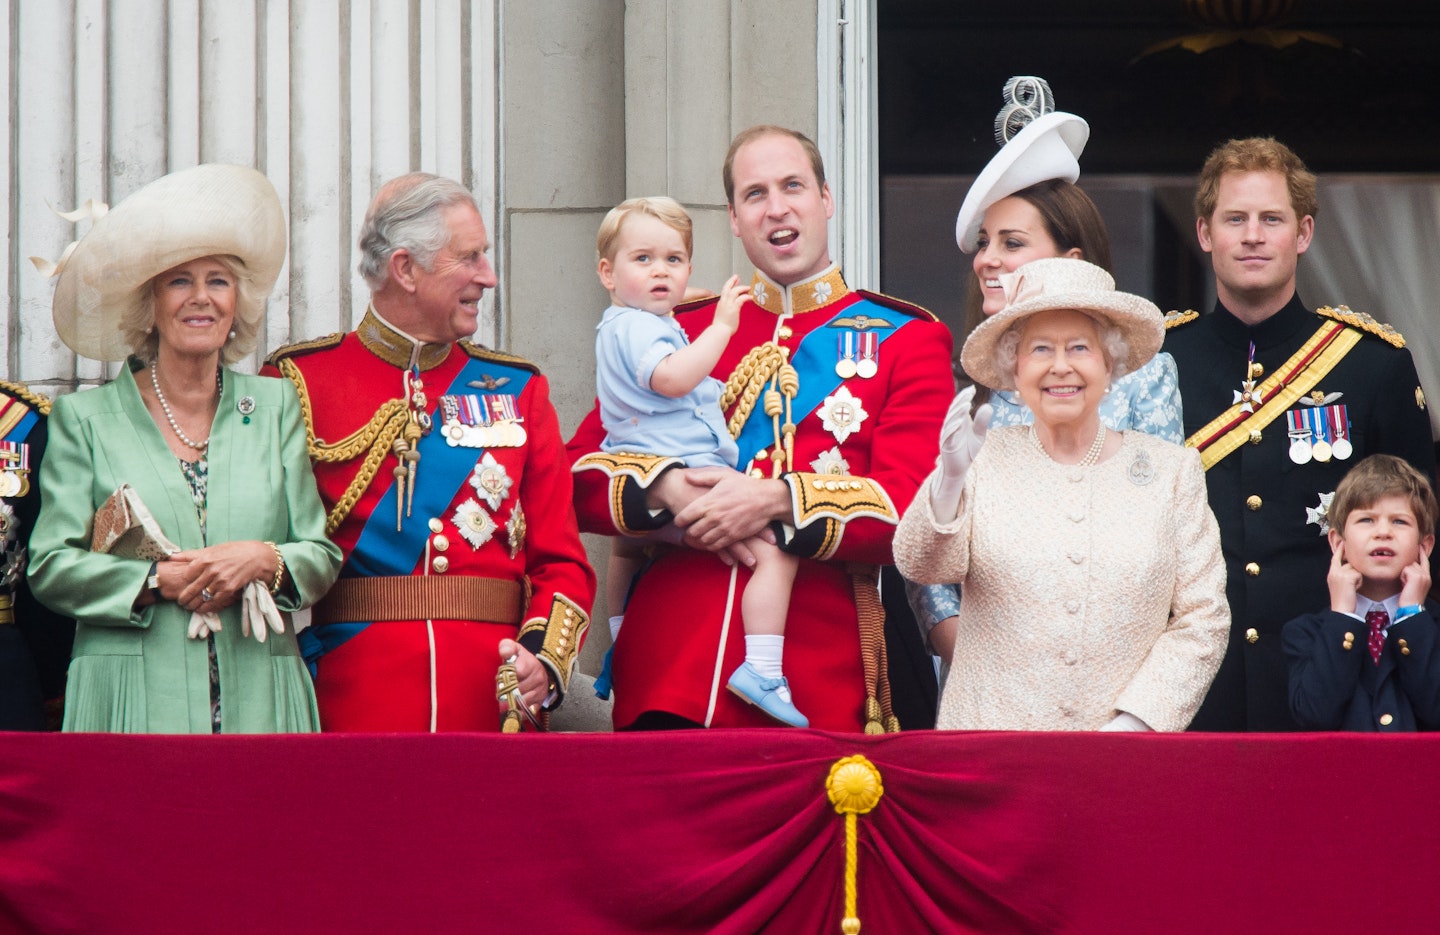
(1370, 662)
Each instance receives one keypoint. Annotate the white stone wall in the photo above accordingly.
(326, 97)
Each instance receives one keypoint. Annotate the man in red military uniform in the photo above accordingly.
(836, 398)
(442, 468)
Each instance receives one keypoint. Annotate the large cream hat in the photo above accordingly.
(1038, 144)
(1062, 283)
(209, 210)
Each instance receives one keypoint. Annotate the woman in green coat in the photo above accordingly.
(176, 277)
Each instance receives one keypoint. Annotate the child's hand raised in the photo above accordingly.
(1344, 581)
(1415, 580)
(732, 296)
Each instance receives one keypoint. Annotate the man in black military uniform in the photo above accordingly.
(1280, 400)
(34, 642)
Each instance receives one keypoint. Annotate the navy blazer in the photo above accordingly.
(1333, 687)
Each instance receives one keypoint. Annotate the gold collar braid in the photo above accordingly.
(397, 348)
(801, 297)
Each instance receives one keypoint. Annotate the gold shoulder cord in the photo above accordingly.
(765, 364)
(37, 401)
(374, 438)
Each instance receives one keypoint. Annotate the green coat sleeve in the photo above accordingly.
(64, 574)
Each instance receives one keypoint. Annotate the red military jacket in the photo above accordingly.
(491, 504)
(871, 384)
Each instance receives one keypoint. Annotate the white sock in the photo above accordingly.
(615, 622)
(764, 651)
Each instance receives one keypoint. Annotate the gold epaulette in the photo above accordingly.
(301, 348)
(37, 401)
(642, 468)
(898, 305)
(480, 352)
(1363, 322)
(1174, 319)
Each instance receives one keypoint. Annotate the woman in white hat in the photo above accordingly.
(1089, 558)
(175, 278)
(1026, 206)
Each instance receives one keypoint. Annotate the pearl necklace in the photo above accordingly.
(1091, 457)
(170, 416)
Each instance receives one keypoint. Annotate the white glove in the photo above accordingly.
(202, 625)
(257, 610)
(960, 439)
(1127, 723)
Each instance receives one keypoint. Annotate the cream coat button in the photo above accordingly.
(1073, 606)
(442, 564)
(1077, 557)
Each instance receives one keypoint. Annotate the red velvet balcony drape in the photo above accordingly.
(721, 831)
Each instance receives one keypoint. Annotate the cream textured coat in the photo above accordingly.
(1087, 591)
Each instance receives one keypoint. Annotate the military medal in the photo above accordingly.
(1300, 436)
(1248, 397)
(14, 469)
(1340, 445)
(475, 525)
(846, 352)
(830, 462)
(868, 365)
(842, 413)
(515, 530)
(482, 421)
(1320, 516)
(491, 481)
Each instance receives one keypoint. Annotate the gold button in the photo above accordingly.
(1252, 636)
(1257, 370)
(819, 485)
(436, 525)
(1252, 569)
(762, 455)
(1253, 502)
(1255, 436)
(1347, 645)
(1349, 637)
(1386, 719)
(440, 542)
(756, 472)
(1404, 648)
(441, 564)
(785, 332)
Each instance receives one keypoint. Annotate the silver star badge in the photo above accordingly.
(1320, 516)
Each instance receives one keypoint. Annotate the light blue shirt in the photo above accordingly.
(629, 344)
(1147, 400)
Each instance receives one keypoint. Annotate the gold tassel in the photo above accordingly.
(854, 788)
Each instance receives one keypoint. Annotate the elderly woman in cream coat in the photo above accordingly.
(176, 277)
(1090, 561)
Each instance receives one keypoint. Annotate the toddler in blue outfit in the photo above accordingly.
(657, 397)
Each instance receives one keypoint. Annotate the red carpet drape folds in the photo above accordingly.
(719, 831)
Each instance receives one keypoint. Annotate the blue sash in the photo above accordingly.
(381, 550)
(814, 360)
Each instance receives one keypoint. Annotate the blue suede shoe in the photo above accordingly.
(769, 695)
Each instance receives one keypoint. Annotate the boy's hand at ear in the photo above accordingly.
(1415, 580)
(1344, 581)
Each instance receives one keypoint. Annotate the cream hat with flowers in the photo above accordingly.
(1063, 283)
(1038, 144)
(208, 210)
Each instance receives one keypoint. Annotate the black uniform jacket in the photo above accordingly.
(1335, 685)
(1276, 556)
